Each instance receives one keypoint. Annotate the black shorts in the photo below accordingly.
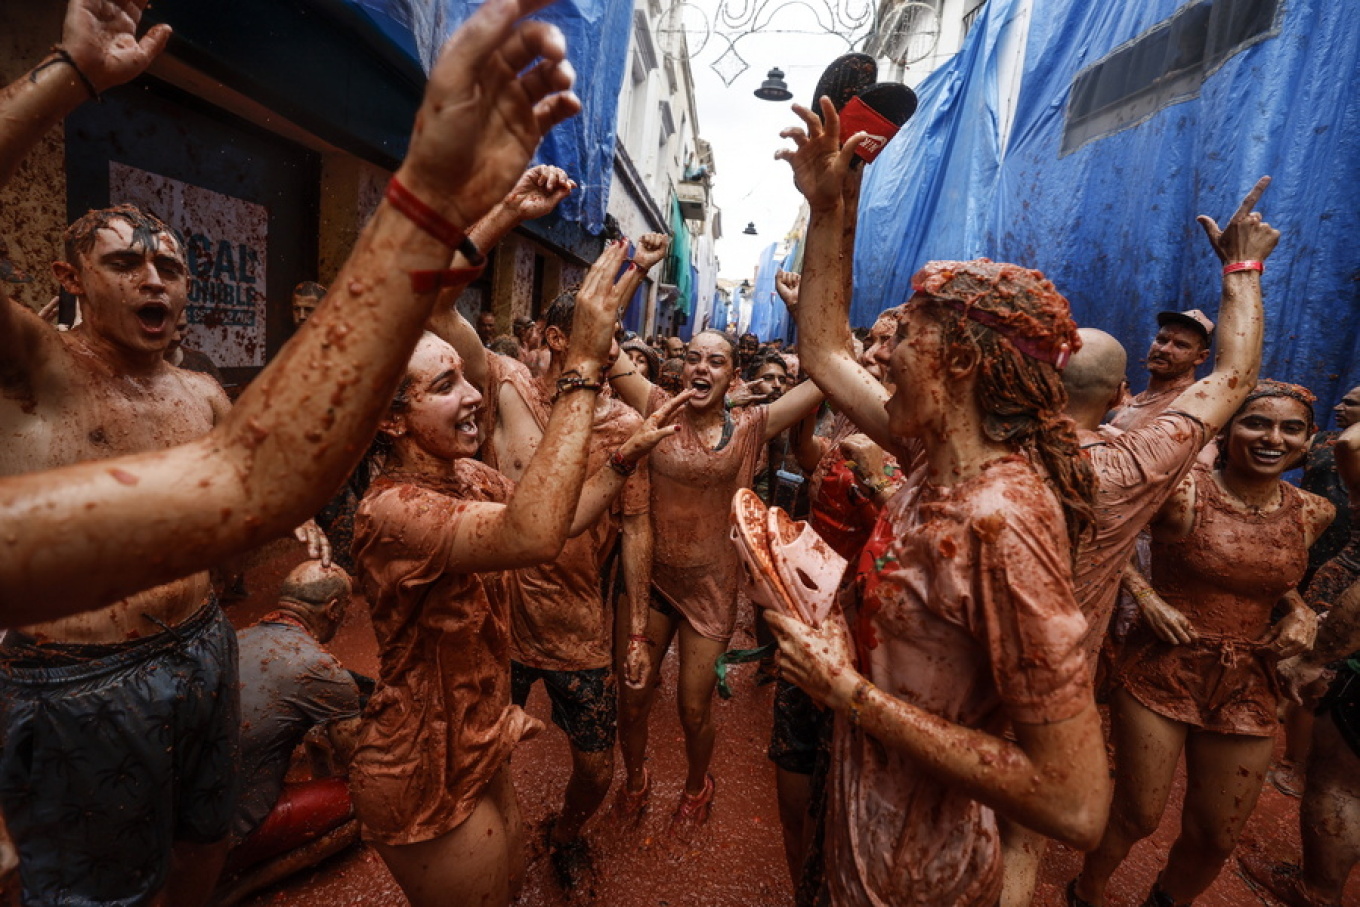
(661, 605)
(585, 704)
(798, 729)
(110, 754)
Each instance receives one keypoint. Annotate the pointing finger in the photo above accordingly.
(1252, 198)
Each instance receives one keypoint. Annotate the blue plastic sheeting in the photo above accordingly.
(632, 318)
(718, 319)
(597, 33)
(768, 315)
(1112, 222)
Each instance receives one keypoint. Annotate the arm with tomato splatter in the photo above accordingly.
(1052, 778)
(537, 192)
(821, 171)
(96, 532)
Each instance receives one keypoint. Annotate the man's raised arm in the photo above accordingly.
(87, 535)
(536, 193)
(1242, 246)
(99, 50)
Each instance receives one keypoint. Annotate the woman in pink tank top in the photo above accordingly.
(1198, 673)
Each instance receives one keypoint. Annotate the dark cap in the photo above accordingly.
(1192, 318)
(9, 271)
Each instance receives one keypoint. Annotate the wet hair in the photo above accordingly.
(1021, 397)
(668, 377)
(380, 448)
(505, 345)
(561, 311)
(78, 240)
(310, 289)
(1268, 387)
(635, 345)
(762, 358)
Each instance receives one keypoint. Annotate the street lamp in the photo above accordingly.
(774, 89)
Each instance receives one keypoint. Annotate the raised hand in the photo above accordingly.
(654, 429)
(597, 309)
(651, 248)
(745, 396)
(498, 87)
(820, 163)
(786, 284)
(1247, 237)
(539, 191)
(101, 37)
(318, 545)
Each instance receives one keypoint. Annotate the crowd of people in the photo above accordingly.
(555, 506)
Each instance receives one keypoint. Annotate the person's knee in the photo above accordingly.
(594, 771)
(1213, 841)
(695, 717)
(1136, 820)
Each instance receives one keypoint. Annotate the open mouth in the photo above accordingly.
(154, 316)
(701, 387)
(467, 427)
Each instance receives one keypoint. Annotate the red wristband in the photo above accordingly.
(434, 281)
(431, 221)
(1236, 266)
(641, 637)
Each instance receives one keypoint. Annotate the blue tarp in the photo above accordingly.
(767, 310)
(597, 33)
(1110, 218)
(718, 318)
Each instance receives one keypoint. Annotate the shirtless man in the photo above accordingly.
(1181, 345)
(105, 390)
(1138, 469)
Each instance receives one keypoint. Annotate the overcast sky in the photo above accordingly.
(750, 185)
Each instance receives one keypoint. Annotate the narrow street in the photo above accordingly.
(739, 861)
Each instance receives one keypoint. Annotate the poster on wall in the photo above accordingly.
(226, 242)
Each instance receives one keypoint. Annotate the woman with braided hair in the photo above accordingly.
(1199, 669)
(964, 623)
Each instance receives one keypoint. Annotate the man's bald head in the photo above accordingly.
(312, 584)
(318, 594)
(1095, 373)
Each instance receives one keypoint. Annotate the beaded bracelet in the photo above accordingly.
(432, 222)
(572, 381)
